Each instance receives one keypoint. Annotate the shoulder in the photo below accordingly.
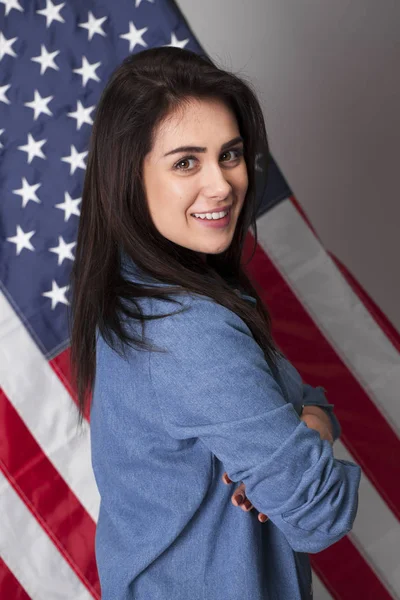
(202, 342)
(195, 316)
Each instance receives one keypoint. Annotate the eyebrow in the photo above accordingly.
(235, 140)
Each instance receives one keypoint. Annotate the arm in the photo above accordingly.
(214, 384)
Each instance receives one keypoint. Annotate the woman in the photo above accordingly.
(201, 392)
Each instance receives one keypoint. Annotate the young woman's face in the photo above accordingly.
(204, 179)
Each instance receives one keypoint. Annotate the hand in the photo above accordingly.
(239, 498)
(315, 418)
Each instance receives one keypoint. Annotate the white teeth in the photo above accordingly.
(215, 215)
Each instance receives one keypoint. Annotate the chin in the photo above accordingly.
(216, 250)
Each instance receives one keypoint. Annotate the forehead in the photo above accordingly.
(199, 122)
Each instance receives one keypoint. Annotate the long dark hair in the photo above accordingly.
(115, 218)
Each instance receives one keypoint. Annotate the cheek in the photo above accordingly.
(173, 206)
(164, 196)
(181, 195)
(182, 189)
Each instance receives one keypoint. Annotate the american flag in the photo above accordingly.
(54, 62)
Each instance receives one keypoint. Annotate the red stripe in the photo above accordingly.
(62, 367)
(346, 575)
(311, 353)
(47, 496)
(10, 587)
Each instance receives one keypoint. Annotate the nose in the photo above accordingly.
(216, 184)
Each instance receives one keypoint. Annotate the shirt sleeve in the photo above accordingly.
(316, 397)
(214, 383)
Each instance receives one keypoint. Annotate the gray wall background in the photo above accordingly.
(328, 78)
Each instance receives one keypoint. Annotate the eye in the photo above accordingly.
(185, 159)
(239, 152)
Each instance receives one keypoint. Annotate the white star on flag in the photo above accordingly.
(93, 25)
(139, 1)
(5, 46)
(134, 36)
(176, 43)
(39, 105)
(52, 12)
(88, 71)
(33, 148)
(75, 159)
(28, 192)
(46, 59)
(10, 4)
(63, 250)
(21, 240)
(57, 295)
(1, 133)
(3, 89)
(69, 206)
(82, 114)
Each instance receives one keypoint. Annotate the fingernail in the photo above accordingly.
(247, 504)
(239, 499)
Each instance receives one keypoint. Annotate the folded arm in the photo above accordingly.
(215, 384)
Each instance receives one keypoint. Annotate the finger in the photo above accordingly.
(226, 479)
(238, 499)
(239, 495)
(262, 518)
(247, 505)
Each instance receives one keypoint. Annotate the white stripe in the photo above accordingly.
(334, 306)
(319, 590)
(46, 408)
(376, 531)
(30, 554)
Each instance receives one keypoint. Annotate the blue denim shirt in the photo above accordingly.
(165, 427)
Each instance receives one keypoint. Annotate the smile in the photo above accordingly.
(218, 222)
